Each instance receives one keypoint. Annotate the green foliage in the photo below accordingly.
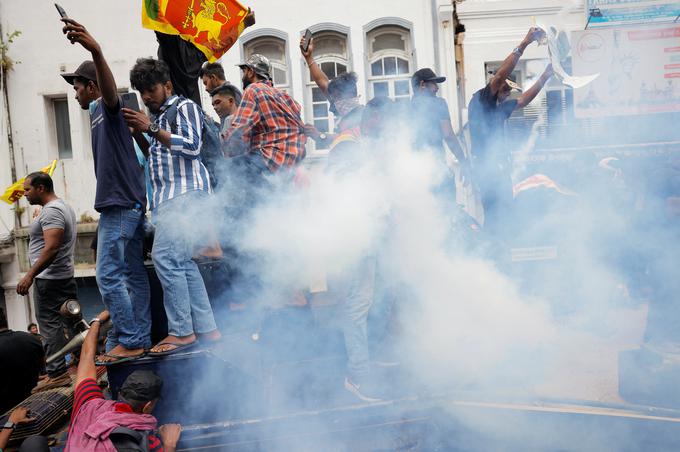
(6, 62)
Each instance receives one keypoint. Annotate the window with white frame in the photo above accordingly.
(330, 53)
(275, 50)
(390, 62)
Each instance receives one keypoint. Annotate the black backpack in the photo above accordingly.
(127, 440)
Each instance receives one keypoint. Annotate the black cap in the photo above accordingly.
(141, 386)
(86, 70)
(425, 75)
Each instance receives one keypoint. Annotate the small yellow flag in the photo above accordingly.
(15, 191)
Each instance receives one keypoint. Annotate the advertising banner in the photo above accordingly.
(639, 70)
(625, 12)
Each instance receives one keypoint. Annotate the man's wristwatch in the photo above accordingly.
(9, 425)
(517, 51)
(153, 129)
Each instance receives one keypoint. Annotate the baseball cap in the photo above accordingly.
(86, 70)
(425, 75)
(258, 63)
(142, 386)
(511, 80)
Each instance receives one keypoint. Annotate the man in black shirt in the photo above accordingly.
(22, 357)
(488, 110)
(430, 115)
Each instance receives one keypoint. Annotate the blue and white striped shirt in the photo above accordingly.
(178, 170)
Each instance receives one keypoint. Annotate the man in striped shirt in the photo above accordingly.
(181, 185)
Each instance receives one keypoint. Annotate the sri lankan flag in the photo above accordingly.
(213, 26)
(15, 191)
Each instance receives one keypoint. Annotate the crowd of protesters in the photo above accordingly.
(173, 161)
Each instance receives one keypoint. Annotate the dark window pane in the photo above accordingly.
(321, 125)
(390, 65)
(320, 110)
(401, 88)
(402, 66)
(381, 89)
(317, 95)
(341, 69)
(328, 68)
(280, 77)
(376, 68)
(63, 126)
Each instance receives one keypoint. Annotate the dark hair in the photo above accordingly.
(39, 178)
(85, 81)
(3, 319)
(30, 325)
(212, 69)
(377, 116)
(344, 86)
(148, 72)
(227, 90)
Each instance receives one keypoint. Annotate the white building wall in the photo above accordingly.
(44, 53)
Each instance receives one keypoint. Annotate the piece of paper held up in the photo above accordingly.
(559, 49)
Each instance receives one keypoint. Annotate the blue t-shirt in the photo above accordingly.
(120, 178)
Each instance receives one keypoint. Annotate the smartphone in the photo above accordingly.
(129, 100)
(306, 39)
(62, 13)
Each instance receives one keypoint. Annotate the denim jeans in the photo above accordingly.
(49, 294)
(180, 222)
(122, 278)
(354, 290)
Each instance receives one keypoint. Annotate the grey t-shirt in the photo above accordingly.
(54, 215)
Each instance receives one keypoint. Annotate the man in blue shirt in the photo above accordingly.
(120, 200)
(181, 185)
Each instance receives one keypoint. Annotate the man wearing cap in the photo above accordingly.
(120, 199)
(98, 424)
(267, 122)
(488, 110)
(432, 126)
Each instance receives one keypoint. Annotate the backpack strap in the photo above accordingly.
(128, 440)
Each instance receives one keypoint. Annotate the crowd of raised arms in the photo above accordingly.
(169, 167)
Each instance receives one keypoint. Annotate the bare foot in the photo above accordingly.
(170, 343)
(210, 336)
(118, 352)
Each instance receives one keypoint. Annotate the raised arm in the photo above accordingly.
(511, 60)
(107, 85)
(86, 367)
(529, 95)
(315, 71)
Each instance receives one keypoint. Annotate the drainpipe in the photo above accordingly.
(10, 135)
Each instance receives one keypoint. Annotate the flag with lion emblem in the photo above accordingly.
(213, 26)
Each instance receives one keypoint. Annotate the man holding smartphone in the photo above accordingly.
(120, 199)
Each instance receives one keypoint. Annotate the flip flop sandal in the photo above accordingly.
(118, 359)
(178, 348)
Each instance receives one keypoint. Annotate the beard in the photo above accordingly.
(245, 81)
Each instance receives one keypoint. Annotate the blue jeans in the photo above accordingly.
(122, 278)
(355, 292)
(178, 222)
